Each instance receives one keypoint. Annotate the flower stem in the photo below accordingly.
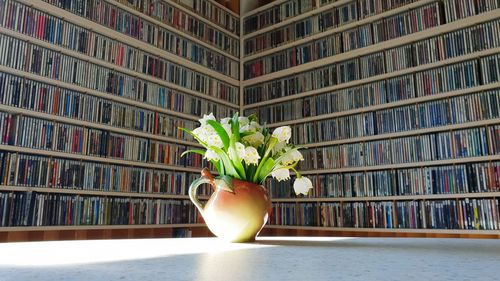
(272, 142)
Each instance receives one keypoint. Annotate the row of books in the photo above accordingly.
(450, 45)
(38, 209)
(304, 214)
(118, 19)
(447, 179)
(455, 110)
(475, 142)
(409, 22)
(433, 81)
(42, 134)
(59, 32)
(28, 94)
(375, 93)
(358, 37)
(17, 169)
(370, 33)
(430, 82)
(434, 49)
(478, 214)
(335, 17)
(329, 46)
(368, 8)
(38, 97)
(459, 9)
(294, 56)
(213, 13)
(24, 56)
(276, 14)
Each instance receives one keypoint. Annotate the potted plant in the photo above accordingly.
(244, 153)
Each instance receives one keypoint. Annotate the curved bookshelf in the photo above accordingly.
(400, 41)
(380, 77)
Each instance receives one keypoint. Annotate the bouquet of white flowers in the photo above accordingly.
(240, 148)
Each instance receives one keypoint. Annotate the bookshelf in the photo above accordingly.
(391, 150)
(91, 95)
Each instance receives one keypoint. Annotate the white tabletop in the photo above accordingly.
(276, 258)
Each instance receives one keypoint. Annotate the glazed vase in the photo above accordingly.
(235, 213)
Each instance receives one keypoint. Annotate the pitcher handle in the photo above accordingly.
(206, 177)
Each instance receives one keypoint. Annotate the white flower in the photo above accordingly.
(283, 134)
(291, 158)
(198, 132)
(252, 127)
(211, 155)
(251, 156)
(248, 128)
(256, 125)
(225, 120)
(215, 140)
(278, 147)
(207, 134)
(256, 139)
(281, 174)
(227, 127)
(204, 132)
(297, 156)
(243, 121)
(203, 121)
(302, 185)
(240, 150)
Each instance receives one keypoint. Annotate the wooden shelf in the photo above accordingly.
(95, 227)
(298, 17)
(97, 192)
(399, 230)
(172, 29)
(338, 29)
(418, 100)
(115, 35)
(403, 165)
(81, 123)
(116, 161)
(382, 46)
(390, 198)
(381, 77)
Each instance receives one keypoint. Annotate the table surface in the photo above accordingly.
(269, 258)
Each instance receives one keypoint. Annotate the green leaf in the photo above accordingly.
(235, 158)
(235, 127)
(220, 131)
(197, 151)
(228, 165)
(265, 169)
(246, 134)
(252, 117)
(218, 166)
(250, 171)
